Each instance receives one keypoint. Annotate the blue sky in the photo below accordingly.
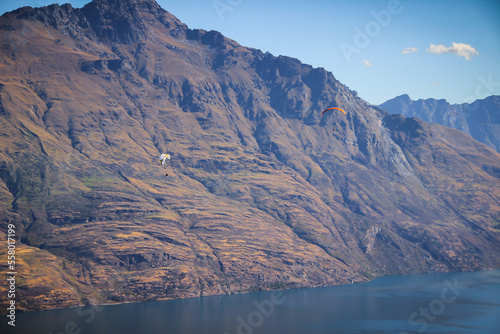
(452, 46)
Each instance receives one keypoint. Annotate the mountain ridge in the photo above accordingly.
(479, 119)
(262, 192)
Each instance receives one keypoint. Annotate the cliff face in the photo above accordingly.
(262, 192)
(480, 119)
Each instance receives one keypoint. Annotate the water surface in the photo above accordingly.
(429, 303)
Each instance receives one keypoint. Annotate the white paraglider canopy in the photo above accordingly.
(164, 157)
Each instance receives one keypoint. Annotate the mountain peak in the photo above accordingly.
(122, 21)
(125, 5)
(125, 20)
(480, 119)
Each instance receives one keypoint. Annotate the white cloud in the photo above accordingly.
(459, 49)
(367, 63)
(409, 50)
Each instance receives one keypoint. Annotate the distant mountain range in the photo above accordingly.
(480, 119)
(262, 191)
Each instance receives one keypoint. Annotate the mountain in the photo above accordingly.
(262, 192)
(480, 119)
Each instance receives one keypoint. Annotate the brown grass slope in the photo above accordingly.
(262, 192)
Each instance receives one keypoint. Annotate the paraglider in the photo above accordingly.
(164, 157)
(333, 109)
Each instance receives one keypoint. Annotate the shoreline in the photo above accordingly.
(247, 292)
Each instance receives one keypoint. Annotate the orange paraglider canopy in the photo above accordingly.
(331, 109)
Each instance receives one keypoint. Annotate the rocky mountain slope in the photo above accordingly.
(480, 119)
(262, 192)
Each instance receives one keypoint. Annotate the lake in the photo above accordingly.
(427, 303)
